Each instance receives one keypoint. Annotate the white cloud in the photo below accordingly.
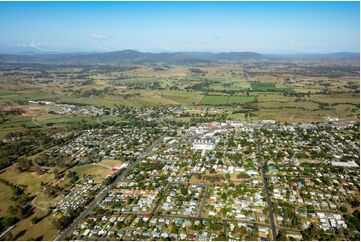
(100, 37)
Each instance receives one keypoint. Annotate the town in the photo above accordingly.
(180, 121)
(206, 183)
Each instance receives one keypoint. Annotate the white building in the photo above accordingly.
(203, 145)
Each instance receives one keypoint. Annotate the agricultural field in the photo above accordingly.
(239, 99)
(182, 97)
(229, 85)
(226, 100)
(214, 100)
(267, 87)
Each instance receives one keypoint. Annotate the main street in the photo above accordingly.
(265, 183)
(103, 193)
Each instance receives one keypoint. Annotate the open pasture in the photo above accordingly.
(225, 100)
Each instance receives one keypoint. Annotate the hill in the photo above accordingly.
(137, 57)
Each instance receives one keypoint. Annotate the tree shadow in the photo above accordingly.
(21, 233)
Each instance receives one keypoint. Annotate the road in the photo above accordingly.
(6, 231)
(204, 199)
(161, 200)
(265, 183)
(103, 193)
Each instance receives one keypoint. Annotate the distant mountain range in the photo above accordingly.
(136, 57)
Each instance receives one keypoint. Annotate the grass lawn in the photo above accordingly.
(5, 198)
(97, 171)
(30, 180)
(44, 228)
(237, 116)
(109, 163)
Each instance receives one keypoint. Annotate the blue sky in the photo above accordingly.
(266, 27)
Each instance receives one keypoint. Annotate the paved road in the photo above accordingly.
(103, 193)
(204, 199)
(6, 231)
(161, 200)
(225, 223)
(265, 183)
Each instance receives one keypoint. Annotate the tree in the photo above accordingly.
(56, 174)
(281, 236)
(343, 209)
(34, 220)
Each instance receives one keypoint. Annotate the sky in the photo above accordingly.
(264, 27)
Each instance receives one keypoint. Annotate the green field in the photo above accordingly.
(182, 97)
(30, 180)
(237, 116)
(225, 100)
(214, 100)
(239, 99)
(267, 87)
(25, 96)
(98, 172)
(229, 85)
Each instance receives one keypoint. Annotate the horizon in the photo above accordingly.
(156, 27)
(39, 52)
